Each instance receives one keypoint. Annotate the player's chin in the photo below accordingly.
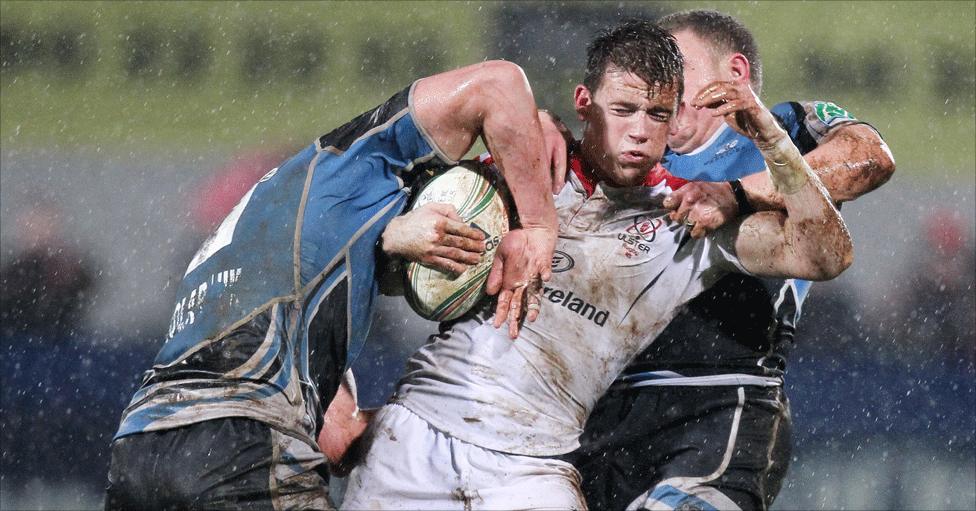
(680, 143)
(630, 175)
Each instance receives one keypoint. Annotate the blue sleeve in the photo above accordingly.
(808, 122)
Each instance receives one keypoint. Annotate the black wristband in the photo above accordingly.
(740, 198)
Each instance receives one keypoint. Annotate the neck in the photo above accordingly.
(579, 164)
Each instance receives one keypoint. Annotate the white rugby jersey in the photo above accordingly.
(620, 270)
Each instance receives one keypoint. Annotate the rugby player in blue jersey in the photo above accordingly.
(699, 421)
(277, 302)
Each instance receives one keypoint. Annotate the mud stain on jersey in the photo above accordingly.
(556, 365)
(466, 497)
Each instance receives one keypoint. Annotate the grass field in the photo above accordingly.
(906, 67)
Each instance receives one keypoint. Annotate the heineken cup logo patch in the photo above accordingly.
(829, 113)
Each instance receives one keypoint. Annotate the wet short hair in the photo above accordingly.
(637, 46)
(723, 33)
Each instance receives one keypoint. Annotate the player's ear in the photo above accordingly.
(582, 99)
(739, 68)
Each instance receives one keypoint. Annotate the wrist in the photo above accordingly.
(387, 241)
(787, 169)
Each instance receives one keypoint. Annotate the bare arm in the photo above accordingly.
(493, 100)
(851, 161)
(811, 240)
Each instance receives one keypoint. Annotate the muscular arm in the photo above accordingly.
(493, 100)
(851, 161)
(811, 240)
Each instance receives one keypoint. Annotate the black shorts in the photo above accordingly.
(232, 463)
(687, 448)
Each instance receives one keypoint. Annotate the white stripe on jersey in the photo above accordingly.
(672, 379)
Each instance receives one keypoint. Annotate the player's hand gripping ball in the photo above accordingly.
(480, 199)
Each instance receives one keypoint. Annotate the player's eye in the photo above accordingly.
(661, 115)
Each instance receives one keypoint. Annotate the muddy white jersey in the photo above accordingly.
(620, 270)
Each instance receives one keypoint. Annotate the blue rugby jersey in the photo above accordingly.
(740, 330)
(278, 301)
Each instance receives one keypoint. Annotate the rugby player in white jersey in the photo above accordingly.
(477, 420)
(700, 419)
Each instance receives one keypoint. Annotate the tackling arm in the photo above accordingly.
(493, 100)
(811, 240)
(851, 161)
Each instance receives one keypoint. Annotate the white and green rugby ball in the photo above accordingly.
(480, 199)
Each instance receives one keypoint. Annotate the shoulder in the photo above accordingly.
(809, 121)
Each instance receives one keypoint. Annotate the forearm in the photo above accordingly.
(817, 244)
(851, 161)
(516, 143)
(492, 100)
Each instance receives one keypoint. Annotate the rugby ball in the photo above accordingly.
(479, 196)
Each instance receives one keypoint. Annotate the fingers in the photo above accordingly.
(683, 198)
(524, 305)
(456, 254)
(501, 308)
(681, 214)
(729, 108)
(445, 264)
(459, 228)
(715, 94)
(674, 200)
(533, 296)
(454, 224)
(444, 209)
(527, 256)
(463, 243)
(515, 312)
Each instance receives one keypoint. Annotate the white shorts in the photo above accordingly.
(410, 465)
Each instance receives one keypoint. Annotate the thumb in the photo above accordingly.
(673, 200)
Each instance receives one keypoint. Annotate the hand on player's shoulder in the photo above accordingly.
(703, 206)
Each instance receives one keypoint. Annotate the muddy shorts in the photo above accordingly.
(688, 448)
(231, 463)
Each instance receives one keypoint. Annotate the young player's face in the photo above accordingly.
(625, 125)
(692, 127)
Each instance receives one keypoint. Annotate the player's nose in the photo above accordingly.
(640, 129)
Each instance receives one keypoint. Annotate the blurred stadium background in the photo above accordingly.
(128, 129)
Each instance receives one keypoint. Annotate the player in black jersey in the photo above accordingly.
(699, 420)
